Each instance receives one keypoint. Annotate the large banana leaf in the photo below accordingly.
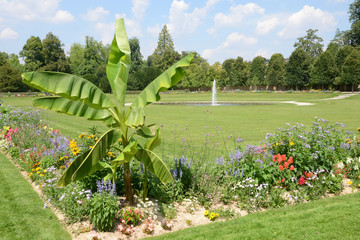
(89, 161)
(151, 161)
(118, 66)
(68, 86)
(150, 94)
(154, 164)
(70, 107)
(92, 161)
(66, 178)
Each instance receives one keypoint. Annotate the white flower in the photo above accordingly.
(340, 165)
(356, 167)
(349, 160)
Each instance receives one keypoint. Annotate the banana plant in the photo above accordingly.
(79, 97)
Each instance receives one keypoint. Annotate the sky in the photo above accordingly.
(216, 29)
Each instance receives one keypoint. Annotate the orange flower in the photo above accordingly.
(292, 168)
(286, 165)
(283, 180)
(281, 168)
(290, 161)
(283, 158)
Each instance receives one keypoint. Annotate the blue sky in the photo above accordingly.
(217, 29)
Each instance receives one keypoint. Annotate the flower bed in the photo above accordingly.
(290, 166)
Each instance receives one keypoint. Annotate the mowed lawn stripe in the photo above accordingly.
(21, 210)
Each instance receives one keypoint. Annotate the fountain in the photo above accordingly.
(213, 102)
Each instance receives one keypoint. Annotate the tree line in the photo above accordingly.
(308, 66)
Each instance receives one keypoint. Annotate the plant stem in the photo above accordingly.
(128, 189)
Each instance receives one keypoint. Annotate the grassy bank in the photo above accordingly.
(21, 210)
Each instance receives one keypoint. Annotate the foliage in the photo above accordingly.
(311, 44)
(298, 69)
(164, 55)
(237, 72)
(257, 70)
(275, 72)
(351, 68)
(324, 70)
(103, 210)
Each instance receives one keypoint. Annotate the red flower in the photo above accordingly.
(283, 180)
(283, 158)
(290, 161)
(281, 168)
(292, 168)
(301, 181)
(286, 165)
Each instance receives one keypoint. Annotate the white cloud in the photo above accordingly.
(264, 27)
(29, 10)
(8, 33)
(234, 45)
(62, 16)
(154, 31)
(236, 15)
(182, 21)
(97, 14)
(139, 9)
(307, 17)
(263, 53)
(106, 31)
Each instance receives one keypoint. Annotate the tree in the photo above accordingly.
(164, 55)
(354, 19)
(136, 57)
(10, 77)
(32, 54)
(79, 97)
(275, 72)
(216, 72)
(324, 71)
(341, 38)
(351, 69)
(257, 70)
(54, 54)
(298, 69)
(311, 44)
(77, 59)
(237, 71)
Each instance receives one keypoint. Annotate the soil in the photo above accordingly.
(183, 219)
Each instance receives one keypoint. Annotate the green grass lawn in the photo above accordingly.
(21, 210)
(330, 218)
(250, 122)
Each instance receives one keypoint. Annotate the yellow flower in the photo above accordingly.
(38, 168)
(82, 135)
(33, 170)
(37, 172)
(30, 174)
(120, 140)
(206, 213)
(359, 184)
(6, 128)
(291, 143)
(91, 147)
(62, 166)
(42, 175)
(91, 136)
(350, 182)
(212, 215)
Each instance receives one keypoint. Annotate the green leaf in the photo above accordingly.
(150, 94)
(68, 86)
(126, 155)
(155, 165)
(75, 108)
(118, 66)
(146, 132)
(92, 161)
(65, 179)
(152, 143)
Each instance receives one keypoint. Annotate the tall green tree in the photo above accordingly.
(32, 54)
(351, 69)
(257, 72)
(54, 54)
(218, 73)
(77, 59)
(354, 18)
(238, 71)
(311, 44)
(341, 38)
(323, 71)
(10, 77)
(275, 72)
(164, 55)
(298, 69)
(136, 56)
